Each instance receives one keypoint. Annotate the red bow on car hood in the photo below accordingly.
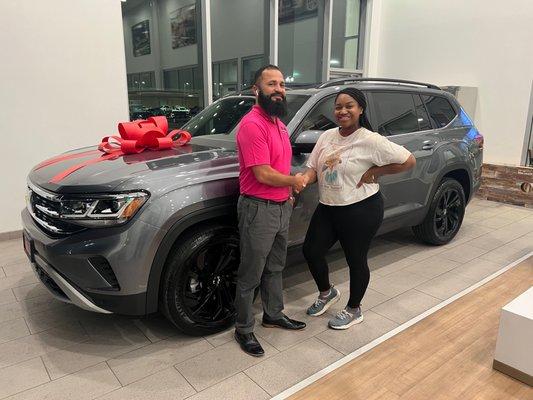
(140, 135)
(135, 137)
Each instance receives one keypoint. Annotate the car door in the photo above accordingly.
(319, 118)
(402, 117)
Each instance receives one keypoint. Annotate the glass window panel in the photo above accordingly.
(440, 110)
(353, 8)
(224, 78)
(239, 32)
(219, 118)
(198, 79)
(249, 68)
(346, 20)
(350, 53)
(170, 79)
(185, 79)
(147, 80)
(294, 103)
(395, 113)
(175, 54)
(301, 29)
(322, 117)
(422, 115)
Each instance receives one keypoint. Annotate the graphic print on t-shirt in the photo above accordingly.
(334, 167)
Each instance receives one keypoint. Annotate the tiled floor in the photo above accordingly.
(52, 350)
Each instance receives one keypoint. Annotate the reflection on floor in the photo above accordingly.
(51, 349)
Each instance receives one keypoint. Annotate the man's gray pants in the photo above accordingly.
(264, 230)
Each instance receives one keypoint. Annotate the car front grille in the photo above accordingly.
(45, 209)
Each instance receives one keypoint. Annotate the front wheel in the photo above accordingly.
(445, 214)
(198, 287)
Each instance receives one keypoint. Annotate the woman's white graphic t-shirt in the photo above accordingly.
(340, 162)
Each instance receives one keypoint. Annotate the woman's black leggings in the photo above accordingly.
(353, 226)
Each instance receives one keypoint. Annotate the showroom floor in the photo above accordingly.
(53, 350)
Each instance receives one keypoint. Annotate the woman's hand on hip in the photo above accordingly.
(370, 176)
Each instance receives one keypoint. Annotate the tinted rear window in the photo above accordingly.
(440, 110)
(395, 113)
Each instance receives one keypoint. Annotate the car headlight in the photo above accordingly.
(104, 210)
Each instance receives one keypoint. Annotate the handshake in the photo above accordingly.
(299, 182)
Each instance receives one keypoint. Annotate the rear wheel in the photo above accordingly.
(198, 287)
(445, 214)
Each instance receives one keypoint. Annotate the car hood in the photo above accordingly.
(97, 175)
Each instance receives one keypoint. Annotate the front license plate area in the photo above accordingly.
(28, 246)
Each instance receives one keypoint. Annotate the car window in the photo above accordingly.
(421, 113)
(220, 117)
(440, 110)
(224, 115)
(294, 103)
(395, 113)
(321, 117)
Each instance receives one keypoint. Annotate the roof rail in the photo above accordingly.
(348, 80)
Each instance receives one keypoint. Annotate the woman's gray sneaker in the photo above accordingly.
(344, 318)
(320, 306)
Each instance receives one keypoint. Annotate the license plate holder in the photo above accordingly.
(28, 246)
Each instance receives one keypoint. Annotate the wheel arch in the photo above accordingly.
(457, 171)
(219, 210)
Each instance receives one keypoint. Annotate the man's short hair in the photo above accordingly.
(259, 72)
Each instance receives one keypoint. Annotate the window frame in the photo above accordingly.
(313, 107)
(454, 107)
(374, 113)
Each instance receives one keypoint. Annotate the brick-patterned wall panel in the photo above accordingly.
(512, 185)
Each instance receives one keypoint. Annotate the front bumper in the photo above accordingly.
(59, 287)
(67, 268)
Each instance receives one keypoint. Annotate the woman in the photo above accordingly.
(346, 162)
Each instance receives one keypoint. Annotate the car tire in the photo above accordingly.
(445, 214)
(198, 286)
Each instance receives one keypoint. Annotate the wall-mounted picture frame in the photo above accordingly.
(140, 38)
(183, 26)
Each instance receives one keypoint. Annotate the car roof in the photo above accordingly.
(365, 84)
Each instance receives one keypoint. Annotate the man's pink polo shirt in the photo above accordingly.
(261, 141)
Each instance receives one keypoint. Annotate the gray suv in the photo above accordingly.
(157, 230)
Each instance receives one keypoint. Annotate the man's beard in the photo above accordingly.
(271, 107)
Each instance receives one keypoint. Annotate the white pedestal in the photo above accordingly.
(514, 348)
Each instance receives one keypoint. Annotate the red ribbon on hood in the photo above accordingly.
(140, 135)
(135, 137)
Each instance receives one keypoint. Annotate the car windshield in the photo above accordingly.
(224, 115)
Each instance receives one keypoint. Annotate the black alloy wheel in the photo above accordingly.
(445, 215)
(198, 287)
(448, 213)
(209, 289)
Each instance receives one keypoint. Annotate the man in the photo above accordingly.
(264, 208)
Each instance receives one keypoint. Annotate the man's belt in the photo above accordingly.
(266, 201)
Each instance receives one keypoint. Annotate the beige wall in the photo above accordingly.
(481, 43)
(63, 85)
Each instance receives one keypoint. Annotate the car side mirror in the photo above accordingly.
(305, 142)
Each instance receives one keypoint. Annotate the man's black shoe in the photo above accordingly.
(284, 323)
(249, 344)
